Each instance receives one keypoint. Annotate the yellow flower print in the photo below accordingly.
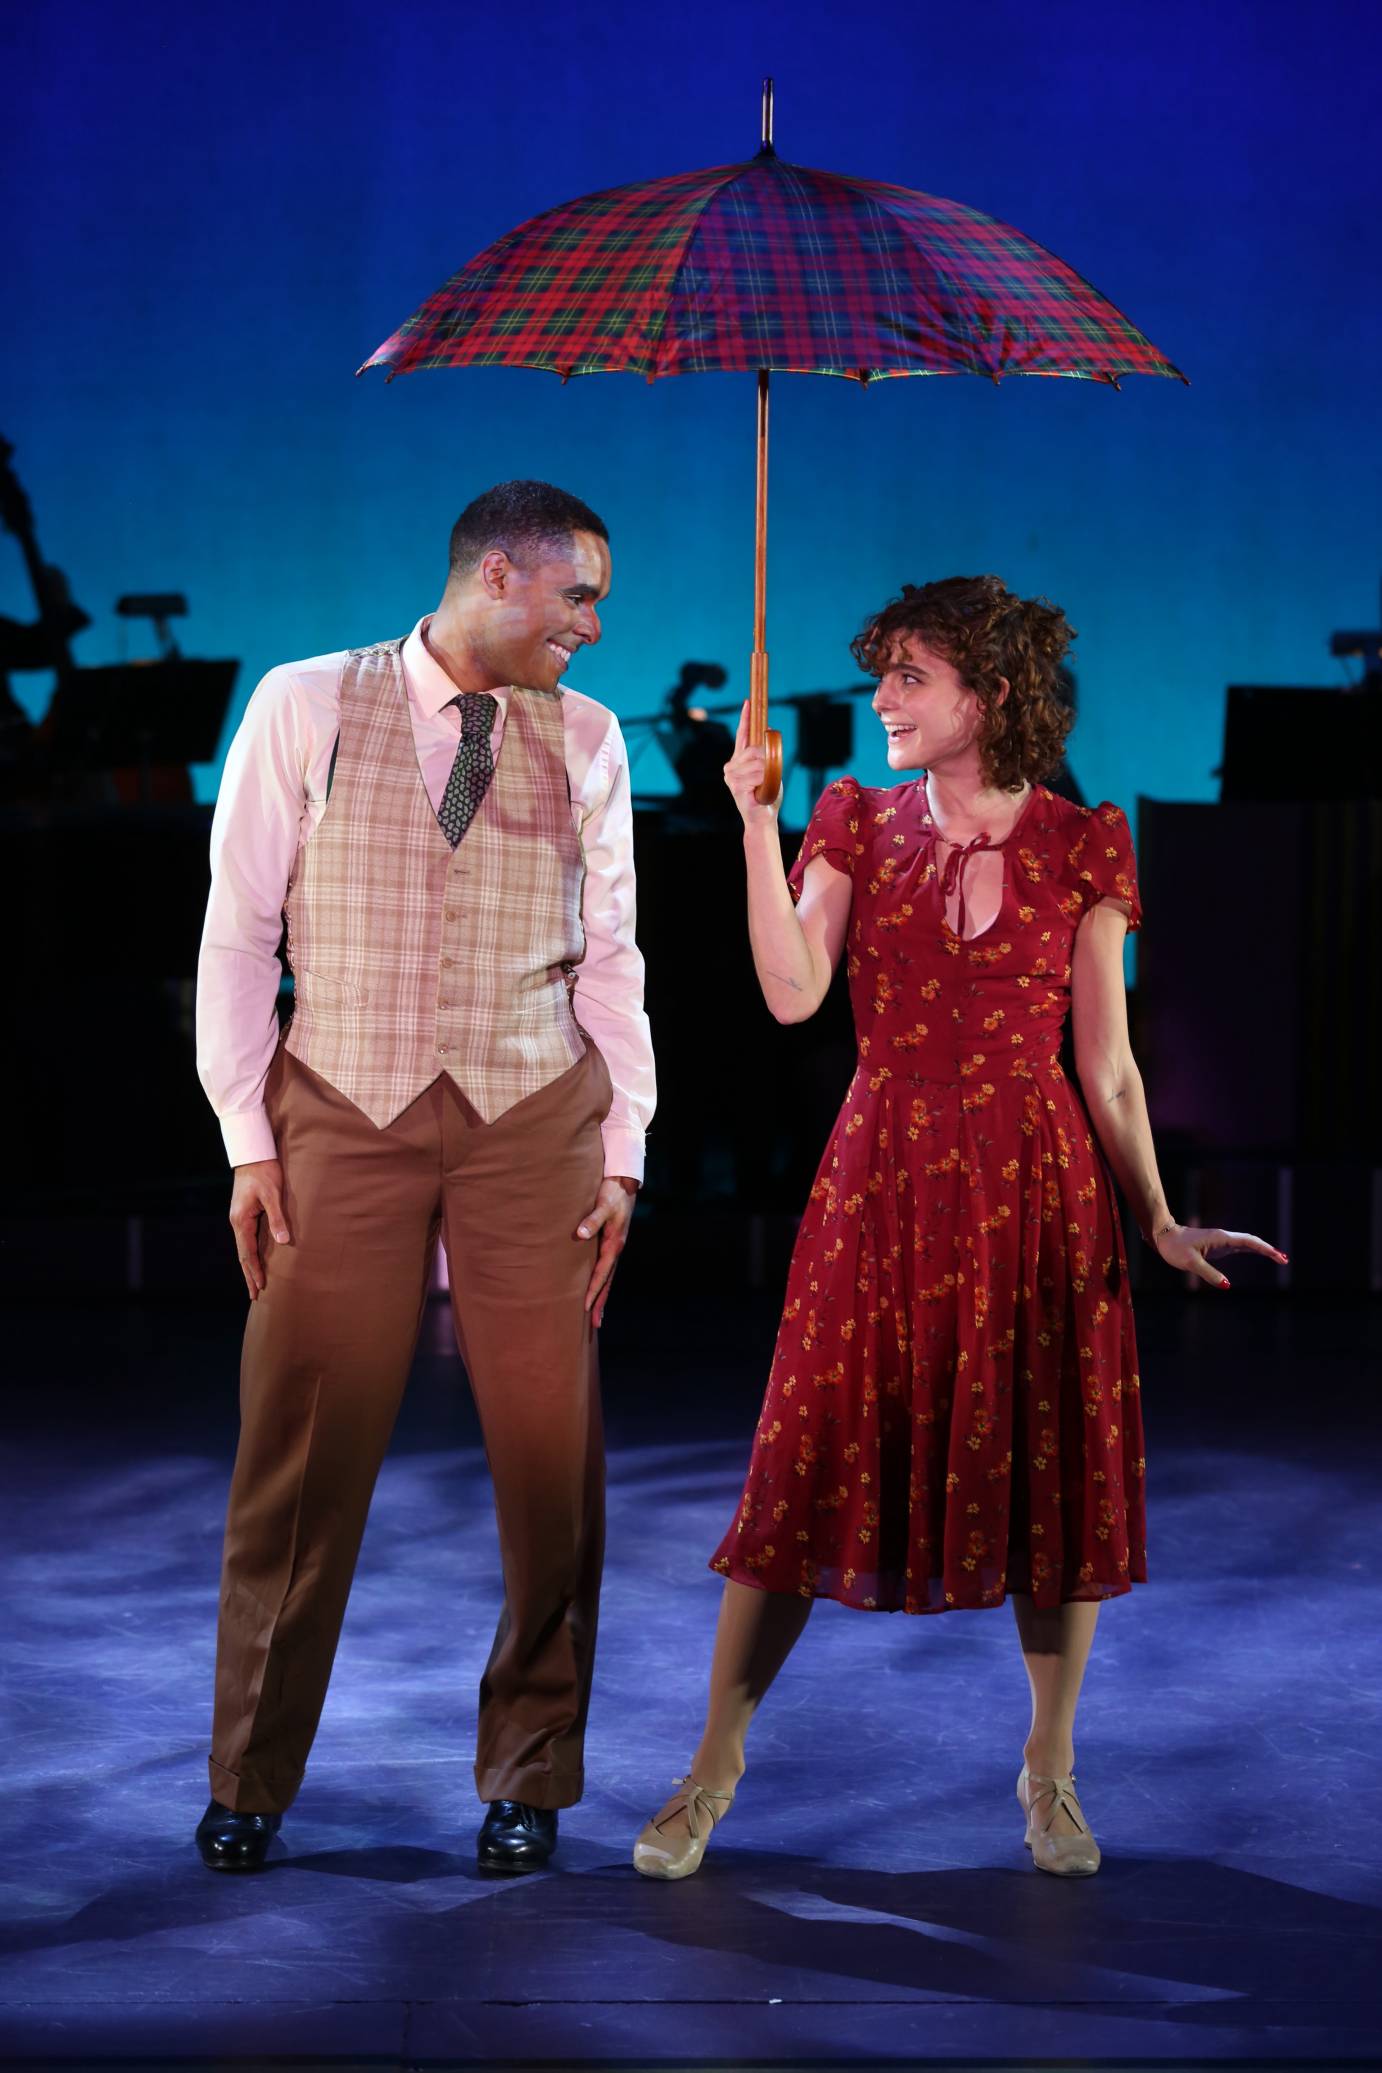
(908, 1040)
(896, 920)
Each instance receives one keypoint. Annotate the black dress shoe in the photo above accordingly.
(514, 1837)
(235, 1842)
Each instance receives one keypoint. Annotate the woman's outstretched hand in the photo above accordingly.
(744, 774)
(1188, 1247)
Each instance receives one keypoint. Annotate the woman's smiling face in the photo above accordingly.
(930, 714)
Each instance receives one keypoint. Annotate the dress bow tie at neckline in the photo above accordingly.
(952, 877)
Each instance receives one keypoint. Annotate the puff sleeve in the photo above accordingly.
(1104, 863)
(833, 832)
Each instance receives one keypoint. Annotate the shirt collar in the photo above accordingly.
(429, 686)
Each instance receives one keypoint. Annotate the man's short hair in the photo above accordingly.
(529, 520)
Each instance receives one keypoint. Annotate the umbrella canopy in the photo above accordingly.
(770, 265)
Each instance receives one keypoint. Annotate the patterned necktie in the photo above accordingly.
(474, 765)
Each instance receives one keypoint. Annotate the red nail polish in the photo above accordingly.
(1224, 1284)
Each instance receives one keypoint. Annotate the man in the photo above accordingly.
(446, 834)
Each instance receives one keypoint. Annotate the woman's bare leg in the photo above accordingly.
(756, 1633)
(1055, 1649)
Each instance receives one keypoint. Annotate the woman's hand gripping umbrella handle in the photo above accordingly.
(760, 734)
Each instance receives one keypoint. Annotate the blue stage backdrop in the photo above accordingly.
(214, 215)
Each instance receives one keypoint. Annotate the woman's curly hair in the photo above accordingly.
(987, 634)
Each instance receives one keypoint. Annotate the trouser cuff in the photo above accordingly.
(534, 1787)
(250, 1795)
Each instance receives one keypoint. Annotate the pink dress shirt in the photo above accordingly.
(273, 795)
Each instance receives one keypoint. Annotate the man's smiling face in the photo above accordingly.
(543, 611)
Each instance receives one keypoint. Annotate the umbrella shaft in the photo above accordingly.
(758, 675)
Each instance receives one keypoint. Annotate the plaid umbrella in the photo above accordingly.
(767, 265)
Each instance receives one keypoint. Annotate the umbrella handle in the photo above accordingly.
(767, 792)
(761, 735)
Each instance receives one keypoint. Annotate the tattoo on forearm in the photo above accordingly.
(783, 980)
(1119, 1094)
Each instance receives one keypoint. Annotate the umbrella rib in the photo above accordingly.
(657, 330)
(1060, 267)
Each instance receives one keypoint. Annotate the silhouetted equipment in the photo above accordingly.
(1299, 742)
(1366, 644)
(45, 644)
(141, 718)
(825, 734)
(123, 734)
(692, 675)
(160, 606)
(696, 746)
(1294, 742)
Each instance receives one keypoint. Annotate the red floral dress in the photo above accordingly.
(953, 1409)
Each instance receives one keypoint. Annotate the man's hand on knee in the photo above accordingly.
(258, 1191)
(609, 1219)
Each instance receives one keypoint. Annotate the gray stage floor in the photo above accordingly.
(868, 1899)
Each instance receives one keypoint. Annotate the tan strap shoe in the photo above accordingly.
(660, 1856)
(1074, 1856)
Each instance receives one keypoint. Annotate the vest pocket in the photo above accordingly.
(319, 990)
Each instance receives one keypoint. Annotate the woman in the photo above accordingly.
(953, 1412)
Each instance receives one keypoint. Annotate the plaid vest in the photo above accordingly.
(411, 959)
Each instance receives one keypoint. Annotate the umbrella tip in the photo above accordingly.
(766, 146)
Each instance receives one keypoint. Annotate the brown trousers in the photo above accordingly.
(327, 1351)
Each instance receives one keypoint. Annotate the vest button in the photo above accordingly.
(441, 1050)
(443, 1004)
(450, 914)
(446, 964)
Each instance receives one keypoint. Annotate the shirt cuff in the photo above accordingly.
(624, 1150)
(248, 1137)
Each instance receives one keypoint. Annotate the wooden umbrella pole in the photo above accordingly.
(761, 735)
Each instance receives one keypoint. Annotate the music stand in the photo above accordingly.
(138, 715)
(1289, 741)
